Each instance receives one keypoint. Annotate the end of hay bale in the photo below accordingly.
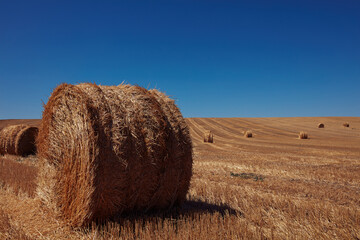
(208, 136)
(18, 140)
(303, 135)
(346, 124)
(248, 134)
(26, 141)
(321, 125)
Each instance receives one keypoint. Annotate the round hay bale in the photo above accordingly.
(346, 124)
(208, 136)
(18, 140)
(321, 125)
(108, 150)
(248, 134)
(303, 135)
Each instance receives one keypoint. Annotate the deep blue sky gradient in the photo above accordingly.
(216, 58)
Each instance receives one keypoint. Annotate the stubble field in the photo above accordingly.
(271, 186)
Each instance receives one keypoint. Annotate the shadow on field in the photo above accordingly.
(190, 207)
(134, 223)
(189, 210)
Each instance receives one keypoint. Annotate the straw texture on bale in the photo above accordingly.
(346, 124)
(303, 135)
(108, 150)
(248, 134)
(208, 136)
(18, 140)
(321, 125)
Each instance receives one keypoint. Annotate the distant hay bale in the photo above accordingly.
(321, 125)
(208, 136)
(346, 124)
(108, 150)
(248, 134)
(303, 135)
(18, 140)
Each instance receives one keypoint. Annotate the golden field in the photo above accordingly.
(271, 186)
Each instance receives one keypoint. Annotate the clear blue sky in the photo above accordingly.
(216, 58)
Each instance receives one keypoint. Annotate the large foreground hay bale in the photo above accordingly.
(107, 150)
(321, 125)
(18, 140)
(208, 136)
(303, 135)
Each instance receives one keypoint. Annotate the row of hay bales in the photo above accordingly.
(345, 124)
(304, 135)
(106, 150)
(209, 136)
(20, 139)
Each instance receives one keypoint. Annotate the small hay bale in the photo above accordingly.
(303, 135)
(18, 140)
(346, 124)
(321, 125)
(107, 150)
(248, 134)
(208, 136)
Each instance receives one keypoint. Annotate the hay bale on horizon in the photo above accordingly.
(18, 140)
(108, 150)
(208, 136)
(303, 135)
(346, 124)
(248, 134)
(321, 125)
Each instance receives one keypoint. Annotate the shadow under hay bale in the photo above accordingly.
(346, 124)
(208, 136)
(303, 135)
(107, 150)
(321, 125)
(18, 140)
(191, 210)
(190, 207)
(248, 134)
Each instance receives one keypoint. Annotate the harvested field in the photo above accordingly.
(272, 187)
(19, 174)
(30, 122)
